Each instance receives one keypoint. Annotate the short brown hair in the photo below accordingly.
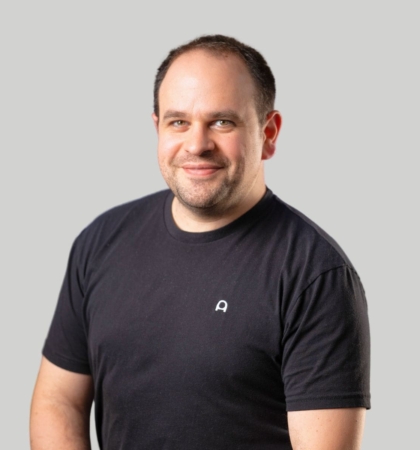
(258, 68)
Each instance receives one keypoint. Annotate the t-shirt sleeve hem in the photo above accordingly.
(64, 363)
(329, 403)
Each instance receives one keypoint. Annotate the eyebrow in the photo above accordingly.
(228, 114)
(172, 114)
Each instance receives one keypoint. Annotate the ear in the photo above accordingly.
(155, 121)
(271, 131)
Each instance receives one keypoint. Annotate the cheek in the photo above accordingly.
(233, 147)
(168, 146)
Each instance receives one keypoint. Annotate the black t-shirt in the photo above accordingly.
(205, 340)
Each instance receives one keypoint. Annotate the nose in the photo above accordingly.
(198, 140)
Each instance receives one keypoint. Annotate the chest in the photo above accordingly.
(196, 316)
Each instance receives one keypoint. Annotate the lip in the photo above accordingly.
(201, 169)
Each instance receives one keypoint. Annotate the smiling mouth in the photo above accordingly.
(201, 170)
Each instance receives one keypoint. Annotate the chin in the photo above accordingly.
(197, 202)
(208, 202)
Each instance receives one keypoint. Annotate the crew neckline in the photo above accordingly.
(256, 212)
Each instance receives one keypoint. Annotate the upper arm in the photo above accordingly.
(327, 429)
(326, 346)
(59, 386)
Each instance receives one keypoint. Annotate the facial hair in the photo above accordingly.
(204, 197)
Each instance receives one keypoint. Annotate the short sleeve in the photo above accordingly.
(326, 344)
(66, 343)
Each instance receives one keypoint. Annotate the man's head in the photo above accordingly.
(212, 133)
(265, 87)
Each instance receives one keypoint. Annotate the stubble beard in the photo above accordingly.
(206, 198)
(201, 199)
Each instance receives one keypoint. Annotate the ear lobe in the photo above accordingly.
(155, 121)
(271, 132)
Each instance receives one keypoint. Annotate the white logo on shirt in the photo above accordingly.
(221, 305)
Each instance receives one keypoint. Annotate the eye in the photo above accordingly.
(223, 123)
(178, 123)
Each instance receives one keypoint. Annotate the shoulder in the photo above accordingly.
(135, 209)
(139, 207)
(120, 221)
(305, 238)
(302, 251)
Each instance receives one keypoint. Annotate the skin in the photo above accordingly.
(60, 409)
(211, 145)
(327, 429)
(211, 150)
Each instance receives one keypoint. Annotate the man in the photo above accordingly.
(213, 315)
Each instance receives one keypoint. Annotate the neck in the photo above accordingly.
(195, 222)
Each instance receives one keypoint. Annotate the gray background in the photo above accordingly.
(76, 138)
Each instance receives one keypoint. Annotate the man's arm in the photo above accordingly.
(327, 429)
(60, 409)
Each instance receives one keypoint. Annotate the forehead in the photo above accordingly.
(200, 80)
